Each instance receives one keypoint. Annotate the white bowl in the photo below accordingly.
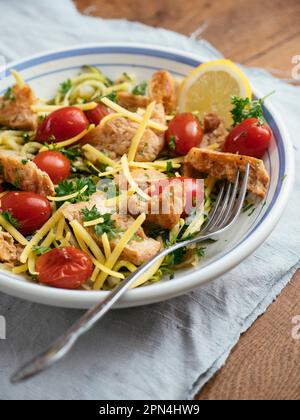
(45, 72)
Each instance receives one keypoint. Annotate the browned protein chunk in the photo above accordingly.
(162, 90)
(163, 209)
(215, 131)
(25, 175)
(116, 135)
(143, 177)
(15, 109)
(226, 165)
(137, 251)
(132, 102)
(8, 250)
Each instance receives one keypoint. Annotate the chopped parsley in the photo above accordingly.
(112, 97)
(17, 181)
(25, 161)
(72, 153)
(26, 137)
(140, 90)
(40, 250)
(200, 252)
(68, 187)
(89, 215)
(9, 95)
(9, 217)
(170, 172)
(247, 108)
(107, 226)
(65, 86)
(172, 143)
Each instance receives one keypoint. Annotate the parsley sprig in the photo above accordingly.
(65, 86)
(247, 108)
(107, 226)
(170, 171)
(9, 217)
(172, 143)
(9, 95)
(140, 89)
(71, 186)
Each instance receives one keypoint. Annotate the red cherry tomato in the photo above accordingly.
(184, 133)
(29, 209)
(57, 166)
(64, 268)
(192, 190)
(95, 116)
(62, 124)
(250, 138)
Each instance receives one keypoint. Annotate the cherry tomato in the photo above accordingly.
(184, 133)
(29, 209)
(96, 115)
(250, 138)
(57, 166)
(192, 190)
(65, 268)
(62, 124)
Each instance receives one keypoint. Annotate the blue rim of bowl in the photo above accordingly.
(176, 57)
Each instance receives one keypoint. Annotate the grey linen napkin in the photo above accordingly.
(163, 351)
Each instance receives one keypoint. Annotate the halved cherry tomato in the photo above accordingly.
(192, 191)
(250, 138)
(29, 209)
(62, 124)
(57, 166)
(64, 268)
(96, 115)
(184, 133)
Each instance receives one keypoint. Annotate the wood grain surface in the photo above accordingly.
(265, 363)
(265, 33)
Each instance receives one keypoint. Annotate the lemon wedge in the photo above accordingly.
(209, 87)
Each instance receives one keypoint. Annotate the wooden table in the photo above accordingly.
(264, 33)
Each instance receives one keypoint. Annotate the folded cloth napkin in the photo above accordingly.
(163, 351)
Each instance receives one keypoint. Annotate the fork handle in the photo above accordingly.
(63, 344)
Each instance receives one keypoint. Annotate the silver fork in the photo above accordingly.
(224, 214)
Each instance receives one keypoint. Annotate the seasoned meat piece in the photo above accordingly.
(162, 90)
(137, 250)
(25, 175)
(8, 250)
(214, 131)
(165, 208)
(143, 177)
(15, 111)
(211, 122)
(115, 137)
(225, 166)
(132, 102)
